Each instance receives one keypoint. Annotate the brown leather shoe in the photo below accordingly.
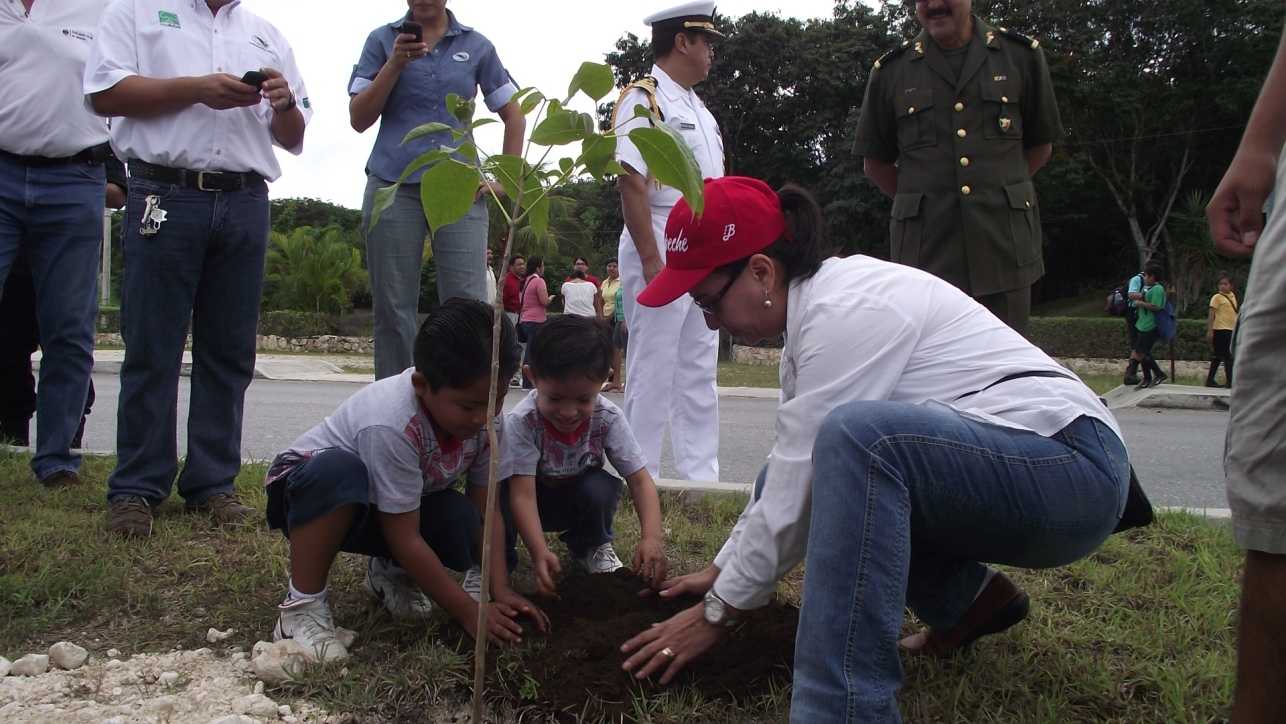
(130, 516)
(224, 509)
(61, 479)
(1000, 606)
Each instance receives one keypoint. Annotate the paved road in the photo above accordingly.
(1176, 453)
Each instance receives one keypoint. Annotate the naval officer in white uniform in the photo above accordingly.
(672, 353)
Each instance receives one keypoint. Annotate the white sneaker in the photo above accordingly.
(308, 622)
(394, 588)
(602, 560)
(472, 583)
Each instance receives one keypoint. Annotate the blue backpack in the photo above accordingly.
(1167, 325)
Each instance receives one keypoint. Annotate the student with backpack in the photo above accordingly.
(1152, 323)
(1134, 290)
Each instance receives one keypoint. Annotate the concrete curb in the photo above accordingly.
(1169, 397)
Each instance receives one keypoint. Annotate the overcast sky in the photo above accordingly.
(541, 43)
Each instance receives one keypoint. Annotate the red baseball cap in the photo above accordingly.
(742, 217)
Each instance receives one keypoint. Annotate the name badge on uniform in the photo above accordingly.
(1005, 123)
(460, 57)
(685, 126)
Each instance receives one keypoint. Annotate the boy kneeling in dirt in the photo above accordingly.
(376, 476)
(556, 441)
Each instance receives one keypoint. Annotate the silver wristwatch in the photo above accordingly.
(717, 610)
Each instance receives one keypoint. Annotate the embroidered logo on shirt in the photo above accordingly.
(77, 34)
(460, 57)
(304, 102)
(168, 19)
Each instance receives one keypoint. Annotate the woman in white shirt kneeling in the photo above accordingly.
(918, 437)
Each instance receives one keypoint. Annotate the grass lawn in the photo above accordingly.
(1140, 632)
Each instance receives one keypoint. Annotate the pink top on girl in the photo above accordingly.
(535, 297)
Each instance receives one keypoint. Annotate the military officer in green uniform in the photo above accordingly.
(954, 125)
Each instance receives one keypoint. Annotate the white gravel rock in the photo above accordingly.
(30, 665)
(5, 665)
(113, 653)
(68, 656)
(114, 720)
(214, 635)
(284, 711)
(255, 705)
(345, 636)
(168, 678)
(234, 719)
(258, 687)
(260, 647)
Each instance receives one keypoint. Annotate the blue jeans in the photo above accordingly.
(449, 522)
(394, 255)
(581, 510)
(908, 502)
(203, 268)
(55, 215)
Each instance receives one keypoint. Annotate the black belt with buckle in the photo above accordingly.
(199, 180)
(92, 155)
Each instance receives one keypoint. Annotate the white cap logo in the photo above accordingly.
(729, 231)
(679, 244)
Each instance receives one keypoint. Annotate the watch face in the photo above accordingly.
(714, 610)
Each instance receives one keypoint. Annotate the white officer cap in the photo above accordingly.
(693, 16)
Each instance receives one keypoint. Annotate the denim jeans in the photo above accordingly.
(203, 268)
(908, 503)
(55, 215)
(581, 510)
(394, 255)
(449, 522)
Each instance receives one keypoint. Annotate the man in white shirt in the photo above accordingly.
(52, 186)
(202, 90)
(672, 355)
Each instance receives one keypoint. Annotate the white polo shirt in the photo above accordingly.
(176, 38)
(42, 59)
(865, 329)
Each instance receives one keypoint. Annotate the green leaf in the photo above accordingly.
(484, 122)
(468, 151)
(670, 161)
(614, 168)
(509, 171)
(562, 127)
(593, 79)
(566, 165)
(427, 129)
(596, 152)
(530, 103)
(536, 203)
(381, 201)
(642, 111)
(424, 159)
(447, 192)
(460, 109)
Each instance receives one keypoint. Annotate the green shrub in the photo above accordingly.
(109, 319)
(1104, 337)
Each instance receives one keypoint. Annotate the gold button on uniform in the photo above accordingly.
(959, 106)
(964, 161)
(966, 190)
(910, 110)
(1004, 99)
(962, 133)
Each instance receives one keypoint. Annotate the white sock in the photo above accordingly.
(991, 573)
(296, 595)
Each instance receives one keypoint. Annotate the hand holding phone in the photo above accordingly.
(254, 78)
(410, 27)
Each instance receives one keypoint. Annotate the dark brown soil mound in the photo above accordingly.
(577, 670)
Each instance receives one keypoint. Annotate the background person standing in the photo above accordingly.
(1220, 324)
(52, 186)
(402, 81)
(954, 125)
(673, 357)
(199, 145)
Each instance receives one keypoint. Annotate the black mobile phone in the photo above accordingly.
(410, 27)
(254, 78)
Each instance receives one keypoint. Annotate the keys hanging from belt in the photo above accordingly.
(153, 216)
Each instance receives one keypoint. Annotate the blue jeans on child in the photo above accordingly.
(580, 509)
(908, 502)
(203, 269)
(55, 215)
(331, 479)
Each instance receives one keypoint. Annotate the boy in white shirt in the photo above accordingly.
(376, 478)
(556, 442)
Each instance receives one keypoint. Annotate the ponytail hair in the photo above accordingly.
(804, 246)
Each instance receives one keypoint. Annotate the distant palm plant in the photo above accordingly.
(313, 270)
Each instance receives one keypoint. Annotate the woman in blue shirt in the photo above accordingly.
(404, 83)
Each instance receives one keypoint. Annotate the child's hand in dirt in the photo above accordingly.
(547, 568)
(649, 561)
(520, 606)
(502, 628)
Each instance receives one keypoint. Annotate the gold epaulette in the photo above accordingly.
(647, 84)
(1024, 39)
(892, 54)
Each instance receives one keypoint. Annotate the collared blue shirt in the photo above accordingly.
(460, 63)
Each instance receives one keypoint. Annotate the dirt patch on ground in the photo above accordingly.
(578, 669)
